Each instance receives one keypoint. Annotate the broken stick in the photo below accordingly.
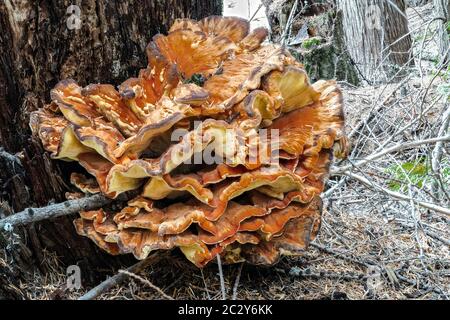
(65, 208)
(120, 277)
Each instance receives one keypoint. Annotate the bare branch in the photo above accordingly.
(429, 233)
(30, 215)
(255, 13)
(397, 195)
(148, 283)
(65, 208)
(397, 147)
(236, 283)
(287, 28)
(222, 281)
(439, 148)
(120, 277)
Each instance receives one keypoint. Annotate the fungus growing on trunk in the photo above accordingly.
(224, 138)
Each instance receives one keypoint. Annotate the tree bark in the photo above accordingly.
(278, 11)
(316, 37)
(376, 35)
(442, 8)
(42, 42)
(416, 3)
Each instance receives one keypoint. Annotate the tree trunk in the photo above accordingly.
(442, 8)
(416, 3)
(41, 43)
(376, 34)
(314, 37)
(278, 12)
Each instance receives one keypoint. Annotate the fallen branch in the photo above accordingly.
(397, 195)
(437, 237)
(418, 284)
(330, 191)
(429, 233)
(65, 208)
(439, 149)
(120, 277)
(286, 31)
(343, 256)
(397, 147)
(148, 283)
(256, 12)
(30, 215)
(308, 273)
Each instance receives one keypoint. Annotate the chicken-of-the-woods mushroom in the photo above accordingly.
(224, 138)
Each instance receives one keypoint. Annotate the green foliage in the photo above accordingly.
(414, 171)
(309, 43)
(419, 172)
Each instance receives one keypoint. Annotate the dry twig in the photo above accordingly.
(236, 283)
(120, 277)
(146, 282)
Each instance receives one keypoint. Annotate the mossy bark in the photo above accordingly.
(322, 50)
(329, 59)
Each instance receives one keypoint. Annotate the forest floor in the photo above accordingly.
(371, 246)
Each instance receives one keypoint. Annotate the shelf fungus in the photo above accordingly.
(223, 137)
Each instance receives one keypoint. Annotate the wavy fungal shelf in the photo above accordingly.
(224, 138)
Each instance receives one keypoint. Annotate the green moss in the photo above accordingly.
(326, 57)
(309, 43)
